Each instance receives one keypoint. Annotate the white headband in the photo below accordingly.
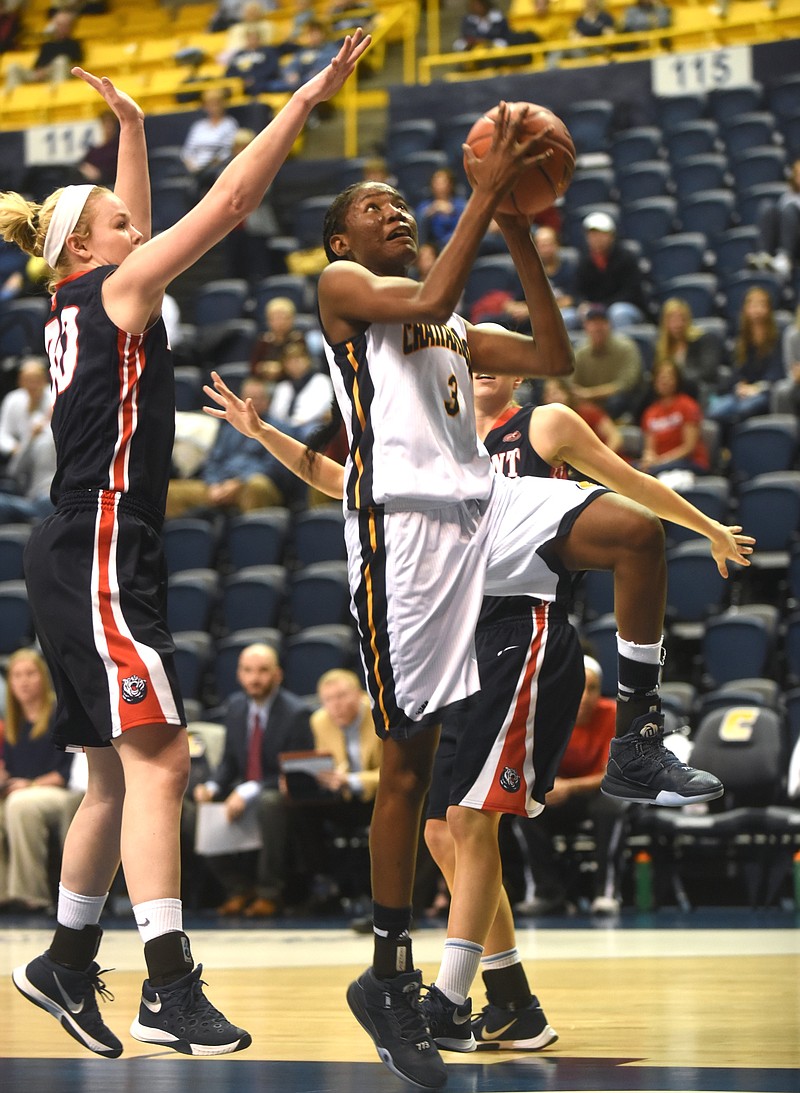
(593, 666)
(65, 216)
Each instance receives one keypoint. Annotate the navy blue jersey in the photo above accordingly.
(114, 414)
(513, 455)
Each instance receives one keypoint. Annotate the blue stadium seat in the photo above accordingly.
(739, 643)
(692, 138)
(16, 629)
(709, 493)
(220, 301)
(632, 146)
(769, 505)
(22, 322)
(308, 215)
(319, 594)
(171, 199)
(314, 651)
(403, 138)
(695, 589)
(254, 596)
(761, 444)
(766, 163)
(257, 538)
(731, 249)
(728, 103)
(488, 274)
(166, 162)
(231, 340)
(191, 599)
(708, 171)
(790, 128)
(592, 186)
(415, 171)
(674, 110)
(710, 211)
(600, 640)
(188, 388)
(293, 285)
(748, 131)
(451, 137)
(317, 535)
(189, 543)
(645, 335)
(678, 254)
(649, 220)
(589, 123)
(699, 290)
(192, 659)
(783, 96)
(13, 539)
(652, 178)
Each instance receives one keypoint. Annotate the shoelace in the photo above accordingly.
(99, 986)
(433, 1005)
(409, 1016)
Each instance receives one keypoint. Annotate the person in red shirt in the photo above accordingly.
(574, 798)
(671, 426)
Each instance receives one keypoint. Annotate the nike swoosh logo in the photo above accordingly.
(154, 1007)
(507, 649)
(496, 1033)
(143, 924)
(459, 1019)
(72, 1005)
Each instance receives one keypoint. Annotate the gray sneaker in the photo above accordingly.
(389, 1010)
(642, 770)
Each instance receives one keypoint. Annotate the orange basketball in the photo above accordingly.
(544, 182)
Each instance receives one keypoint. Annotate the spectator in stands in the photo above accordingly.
(256, 64)
(646, 15)
(279, 330)
(757, 363)
(261, 721)
(236, 476)
(779, 229)
(34, 799)
(229, 12)
(786, 392)
(562, 277)
(253, 18)
(343, 727)
(671, 434)
(301, 401)
(313, 52)
(593, 22)
(560, 389)
(99, 165)
(575, 798)
(484, 24)
(29, 475)
(55, 58)
(699, 354)
(9, 24)
(209, 142)
(608, 365)
(27, 409)
(438, 216)
(608, 273)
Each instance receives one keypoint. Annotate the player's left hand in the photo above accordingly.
(121, 103)
(731, 545)
(238, 412)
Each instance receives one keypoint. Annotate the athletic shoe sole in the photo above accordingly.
(624, 791)
(546, 1037)
(355, 1000)
(67, 1021)
(149, 1035)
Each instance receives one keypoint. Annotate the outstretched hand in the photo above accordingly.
(238, 412)
(331, 79)
(513, 150)
(122, 105)
(729, 544)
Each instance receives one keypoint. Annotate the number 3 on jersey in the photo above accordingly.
(61, 343)
(451, 405)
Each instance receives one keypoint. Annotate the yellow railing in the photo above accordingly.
(761, 26)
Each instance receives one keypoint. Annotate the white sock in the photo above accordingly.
(644, 654)
(158, 916)
(460, 962)
(495, 961)
(77, 911)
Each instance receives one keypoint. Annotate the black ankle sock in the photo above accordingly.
(75, 949)
(169, 958)
(392, 952)
(508, 987)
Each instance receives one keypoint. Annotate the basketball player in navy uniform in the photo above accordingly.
(430, 528)
(95, 569)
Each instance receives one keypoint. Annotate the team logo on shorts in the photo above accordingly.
(509, 780)
(134, 689)
(509, 438)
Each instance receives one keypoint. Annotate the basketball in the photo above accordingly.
(544, 182)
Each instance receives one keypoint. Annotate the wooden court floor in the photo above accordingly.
(645, 1007)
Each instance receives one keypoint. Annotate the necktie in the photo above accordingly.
(254, 772)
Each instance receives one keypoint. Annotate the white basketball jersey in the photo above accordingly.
(405, 393)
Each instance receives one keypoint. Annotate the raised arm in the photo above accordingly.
(559, 435)
(132, 184)
(322, 473)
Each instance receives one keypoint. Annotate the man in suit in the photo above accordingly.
(261, 721)
(343, 728)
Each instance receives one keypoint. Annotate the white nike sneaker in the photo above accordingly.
(499, 1029)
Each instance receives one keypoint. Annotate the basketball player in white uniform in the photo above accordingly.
(430, 529)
